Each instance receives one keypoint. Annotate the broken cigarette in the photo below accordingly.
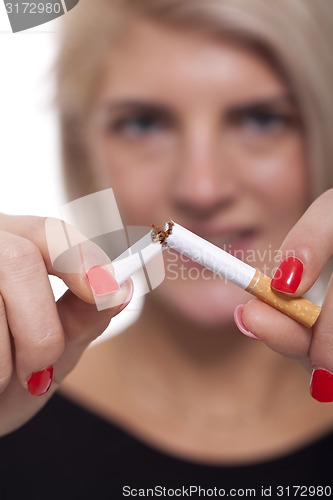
(174, 236)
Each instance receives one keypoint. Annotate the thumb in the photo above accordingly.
(306, 249)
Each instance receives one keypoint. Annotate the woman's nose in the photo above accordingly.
(203, 180)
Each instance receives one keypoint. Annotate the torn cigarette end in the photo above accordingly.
(159, 235)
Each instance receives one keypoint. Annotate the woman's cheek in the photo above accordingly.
(281, 183)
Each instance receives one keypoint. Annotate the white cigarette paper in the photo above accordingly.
(208, 255)
(132, 260)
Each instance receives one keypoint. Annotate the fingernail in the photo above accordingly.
(288, 275)
(238, 317)
(321, 386)
(129, 295)
(40, 382)
(122, 307)
(102, 280)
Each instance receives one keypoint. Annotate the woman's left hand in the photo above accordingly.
(311, 242)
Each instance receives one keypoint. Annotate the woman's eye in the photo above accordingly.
(137, 126)
(264, 122)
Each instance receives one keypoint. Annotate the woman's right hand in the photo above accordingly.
(36, 333)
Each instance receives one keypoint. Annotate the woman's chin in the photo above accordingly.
(205, 302)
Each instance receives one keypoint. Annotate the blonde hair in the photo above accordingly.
(296, 36)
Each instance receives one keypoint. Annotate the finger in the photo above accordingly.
(30, 308)
(321, 351)
(279, 332)
(83, 323)
(311, 242)
(75, 314)
(66, 252)
(6, 364)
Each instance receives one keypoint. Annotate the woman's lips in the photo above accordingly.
(242, 243)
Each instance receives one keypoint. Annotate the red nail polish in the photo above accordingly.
(40, 382)
(102, 281)
(322, 386)
(288, 275)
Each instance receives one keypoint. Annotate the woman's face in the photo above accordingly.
(205, 133)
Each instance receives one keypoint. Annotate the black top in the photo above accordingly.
(66, 452)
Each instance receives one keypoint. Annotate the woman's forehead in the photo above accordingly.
(154, 59)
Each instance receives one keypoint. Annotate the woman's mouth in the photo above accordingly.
(239, 243)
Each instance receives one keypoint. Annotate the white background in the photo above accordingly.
(30, 181)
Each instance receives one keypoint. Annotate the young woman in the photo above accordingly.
(217, 115)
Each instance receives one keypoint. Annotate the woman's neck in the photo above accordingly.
(201, 363)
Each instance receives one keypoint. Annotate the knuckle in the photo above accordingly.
(52, 341)
(321, 348)
(19, 254)
(43, 351)
(45, 336)
(36, 225)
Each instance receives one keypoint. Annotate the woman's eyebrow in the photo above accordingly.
(284, 102)
(123, 105)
